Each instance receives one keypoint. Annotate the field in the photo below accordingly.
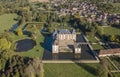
(92, 39)
(97, 46)
(70, 70)
(6, 21)
(111, 31)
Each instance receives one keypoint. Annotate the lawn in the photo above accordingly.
(92, 39)
(6, 21)
(97, 46)
(111, 31)
(70, 70)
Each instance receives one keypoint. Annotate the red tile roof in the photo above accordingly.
(109, 51)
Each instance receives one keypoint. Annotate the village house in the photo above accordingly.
(86, 9)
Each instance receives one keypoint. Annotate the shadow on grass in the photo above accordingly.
(116, 58)
(88, 68)
(42, 44)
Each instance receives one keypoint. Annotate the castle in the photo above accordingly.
(65, 41)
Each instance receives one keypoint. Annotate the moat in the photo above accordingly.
(86, 53)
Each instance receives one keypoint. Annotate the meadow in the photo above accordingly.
(70, 70)
(7, 21)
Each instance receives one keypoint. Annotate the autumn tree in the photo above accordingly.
(4, 44)
(19, 32)
(112, 38)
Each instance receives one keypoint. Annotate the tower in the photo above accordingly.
(55, 51)
(77, 51)
(55, 48)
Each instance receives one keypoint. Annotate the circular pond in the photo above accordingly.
(25, 45)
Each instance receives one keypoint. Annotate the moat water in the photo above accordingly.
(85, 55)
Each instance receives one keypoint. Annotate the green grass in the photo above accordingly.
(70, 70)
(97, 46)
(6, 21)
(37, 51)
(92, 39)
(111, 31)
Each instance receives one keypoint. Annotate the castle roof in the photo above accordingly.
(64, 31)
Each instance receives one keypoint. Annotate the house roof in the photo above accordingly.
(64, 31)
(109, 51)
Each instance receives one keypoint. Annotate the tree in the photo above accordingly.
(41, 18)
(29, 17)
(19, 32)
(22, 20)
(17, 74)
(1, 9)
(112, 38)
(49, 28)
(4, 44)
(75, 25)
(35, 32)
(3, 75)
(101, 30)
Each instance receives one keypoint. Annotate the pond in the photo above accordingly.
(25, 45)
